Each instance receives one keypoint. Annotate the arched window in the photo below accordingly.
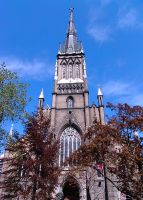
(70, 102)
(69, 142)
(63, 72)
(70, 71)
(77, 73)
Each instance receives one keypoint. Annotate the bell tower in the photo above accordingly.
(71, 114)
(70, 82)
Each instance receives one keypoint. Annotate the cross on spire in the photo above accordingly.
(71, 44)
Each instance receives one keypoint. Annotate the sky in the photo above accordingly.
(112, 36)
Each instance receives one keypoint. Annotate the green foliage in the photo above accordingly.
(12, 95)
(13, 99)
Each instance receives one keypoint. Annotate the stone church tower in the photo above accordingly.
(71, 115)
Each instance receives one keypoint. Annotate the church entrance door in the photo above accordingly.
(71, 189)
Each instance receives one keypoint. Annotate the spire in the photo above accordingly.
(99, 92)
(11, 131)
(71, 28)
(41, 99)
(41, 96)
(71, 40)
(100, 97)
(71, 44)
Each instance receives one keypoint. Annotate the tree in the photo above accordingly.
(31, 170)
(13, 97)
(118, 148)
(128, 156)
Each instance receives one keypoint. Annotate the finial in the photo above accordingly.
(71, 14)
(71, 9)
(41, 94)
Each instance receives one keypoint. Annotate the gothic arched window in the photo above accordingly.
(63, 72)
(70, 71)
(70, 102)
(69, 142)
(77, 72)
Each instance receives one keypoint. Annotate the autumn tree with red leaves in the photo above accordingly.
(118, 146)
(31, 170)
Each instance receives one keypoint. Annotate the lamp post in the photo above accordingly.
(105, 180)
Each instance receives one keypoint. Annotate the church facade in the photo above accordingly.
(71, 115)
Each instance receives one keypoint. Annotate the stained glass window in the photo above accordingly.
(69, 142)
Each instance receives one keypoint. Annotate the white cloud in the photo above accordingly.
(123, 92)
(100, 33)
(129, 19)
(34, 69)
(102, 27)
(115, 88)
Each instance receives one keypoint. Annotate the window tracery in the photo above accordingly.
(70, 141)
(63, 72)
(77, 72)
(70, 71)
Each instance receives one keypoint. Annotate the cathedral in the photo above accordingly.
(71, 115)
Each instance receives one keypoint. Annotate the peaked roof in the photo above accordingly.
(41, 94)
(99, 92)
(71, 44)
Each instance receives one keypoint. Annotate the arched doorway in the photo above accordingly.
(71, 189)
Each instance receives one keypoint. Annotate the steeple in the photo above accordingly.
(71, 28)
(71, 44)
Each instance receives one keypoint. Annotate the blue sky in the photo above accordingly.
(112, 36)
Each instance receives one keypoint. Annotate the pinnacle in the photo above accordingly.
(41, 94)
(99, 92)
